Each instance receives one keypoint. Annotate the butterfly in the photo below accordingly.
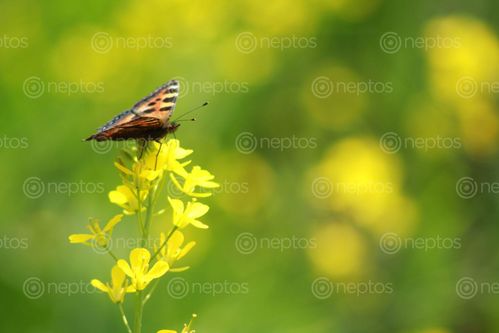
(148, 120)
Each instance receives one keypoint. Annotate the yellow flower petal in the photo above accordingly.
(125, 267)
(196, 209)
(210, 185)
(150, 175)
(80, 238)
(117, 197)
(179, 269)
(175, 182)
(199, 195)
(186, 249)
(175, 242)
(99, 285)
(139, 258)
(159, 269)
(177, 205)
(123, 169)
(199, 224)
(117, 276)
(114, 221)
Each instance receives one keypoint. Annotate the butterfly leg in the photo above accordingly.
(157, 154)
(143, 145)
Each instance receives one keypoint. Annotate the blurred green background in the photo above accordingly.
(355, 141)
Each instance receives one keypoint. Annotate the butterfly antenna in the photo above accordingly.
(183, 115)
(192, 119)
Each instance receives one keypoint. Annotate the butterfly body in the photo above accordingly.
(148, 119)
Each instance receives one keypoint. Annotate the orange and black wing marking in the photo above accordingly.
(160, 104)
(148, 119)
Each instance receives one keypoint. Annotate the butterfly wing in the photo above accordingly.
(160, 104)
(122, 118)
(147, 119)
(148, 128)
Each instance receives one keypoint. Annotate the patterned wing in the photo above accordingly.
(160, 104)
(151, 113)
(148, 128)
(122, 118)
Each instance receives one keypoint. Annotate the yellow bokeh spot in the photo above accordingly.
(278, 17)
(467, 58)
(246, 186)
(340, 252)
(363, 182)
(465, 77)
(252, 67)
(74, 58)
(351, 10)
(199, 19)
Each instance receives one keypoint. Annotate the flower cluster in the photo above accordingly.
(143, 173)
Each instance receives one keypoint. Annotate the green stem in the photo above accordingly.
(149, 294)
(159, 188)
(138, 313)
(153, 257)
(164, 243)
(139, 200)
(150, 208)
(112, 255)
(123, 317)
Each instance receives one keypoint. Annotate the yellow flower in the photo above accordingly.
(118, 287)
(138, 269)
(140, 173)
(126, 198)
(197, 177)
(168, 157)
(183, 217)
(186, 329)
(173, 250)
(98, 236)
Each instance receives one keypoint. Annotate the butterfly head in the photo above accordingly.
(172, 127)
